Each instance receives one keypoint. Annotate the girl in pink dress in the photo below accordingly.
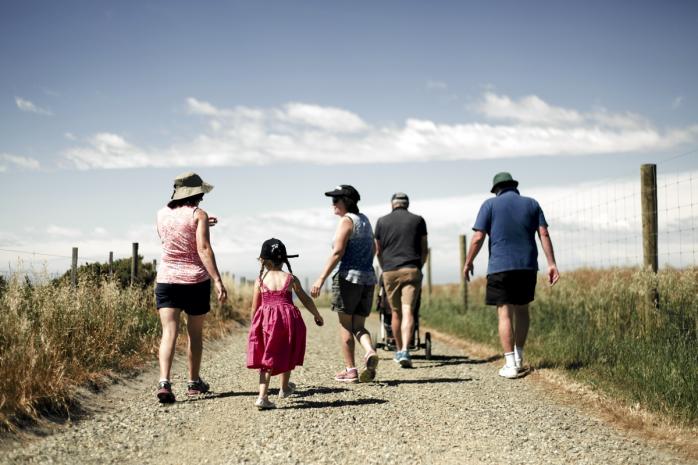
(276, 343)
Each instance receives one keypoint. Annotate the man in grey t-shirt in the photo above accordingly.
(401, 247)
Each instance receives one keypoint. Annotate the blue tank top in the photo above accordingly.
(356, 265)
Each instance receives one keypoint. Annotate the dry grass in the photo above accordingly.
(55, 339)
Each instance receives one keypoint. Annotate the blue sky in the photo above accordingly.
(103, 103)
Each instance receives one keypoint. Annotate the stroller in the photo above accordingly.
(387, 340)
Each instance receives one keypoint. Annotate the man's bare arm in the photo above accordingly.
(547, 244)
(475, 246)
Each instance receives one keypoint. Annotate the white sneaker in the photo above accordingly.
(291, 390)
(509, 372)
(518, 363)
(264, 404)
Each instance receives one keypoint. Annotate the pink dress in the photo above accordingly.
(276, 341)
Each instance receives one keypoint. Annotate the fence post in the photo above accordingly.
(650, 228)
(74, 268)
(134, 262)
(462, 245)
(648, 177)
(111, 263)
(429, 275)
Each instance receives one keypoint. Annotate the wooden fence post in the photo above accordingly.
(111, 263)
(134, 262)
(74, 268)
(650, 229)
(648, 177)
(462, 245)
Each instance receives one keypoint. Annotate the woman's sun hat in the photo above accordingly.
(274, 249)
(501, 178)
(188, 185)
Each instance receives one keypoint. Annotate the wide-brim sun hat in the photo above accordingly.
(344, 190)
(188, 185)
(501, 178)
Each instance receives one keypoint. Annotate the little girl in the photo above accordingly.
(276, 343)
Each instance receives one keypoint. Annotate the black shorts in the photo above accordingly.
(194, 299)
(516, 287)
(350, 298)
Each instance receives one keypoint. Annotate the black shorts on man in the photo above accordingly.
(194, 299)
(515, 287)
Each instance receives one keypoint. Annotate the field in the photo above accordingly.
(601, 327)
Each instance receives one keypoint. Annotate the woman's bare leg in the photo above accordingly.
(169, 318)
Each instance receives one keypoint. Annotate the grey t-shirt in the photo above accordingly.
(400, 235)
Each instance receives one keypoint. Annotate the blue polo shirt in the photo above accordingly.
(511, 222)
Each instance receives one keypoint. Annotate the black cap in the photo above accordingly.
(274, 249)
(344, 190)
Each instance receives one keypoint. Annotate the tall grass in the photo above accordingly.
(601, 326)
(55, 338)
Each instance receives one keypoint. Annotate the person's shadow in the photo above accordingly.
(397, 382)
(219, 395)
(310, 404)
(449, 360)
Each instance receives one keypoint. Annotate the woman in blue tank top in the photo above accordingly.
(352, 282)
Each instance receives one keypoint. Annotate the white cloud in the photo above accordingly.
(305, 133)
(17, 161)
(328, 118)
(529, 110)
(106, 150)
(676, 103)
(26, 105)
(199, 107)
(70, 136)
(60, 231)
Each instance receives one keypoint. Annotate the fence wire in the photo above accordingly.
(600, 225)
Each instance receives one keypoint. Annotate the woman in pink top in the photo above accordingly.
(184, 278)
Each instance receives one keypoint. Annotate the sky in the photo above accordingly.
(103, 103)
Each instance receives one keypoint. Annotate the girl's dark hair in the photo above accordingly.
(276, 263)
(350, 205)
(192, 201)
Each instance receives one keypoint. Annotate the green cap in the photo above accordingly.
(188, 185)
(502, 177)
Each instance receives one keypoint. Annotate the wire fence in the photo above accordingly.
(37, 265)
(600, 225)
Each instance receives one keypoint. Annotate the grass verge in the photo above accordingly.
(55, 338)
(601, 327)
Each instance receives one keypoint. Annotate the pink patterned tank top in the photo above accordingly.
(180, 262)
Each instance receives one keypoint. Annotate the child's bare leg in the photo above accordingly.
(285, 377)
(264, 378)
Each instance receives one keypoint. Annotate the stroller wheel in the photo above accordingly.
(427, 345)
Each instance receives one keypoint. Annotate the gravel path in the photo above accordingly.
(449, 410)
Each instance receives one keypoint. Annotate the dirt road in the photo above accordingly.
(449, 410)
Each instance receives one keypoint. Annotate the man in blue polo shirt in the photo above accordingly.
(511, 221)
